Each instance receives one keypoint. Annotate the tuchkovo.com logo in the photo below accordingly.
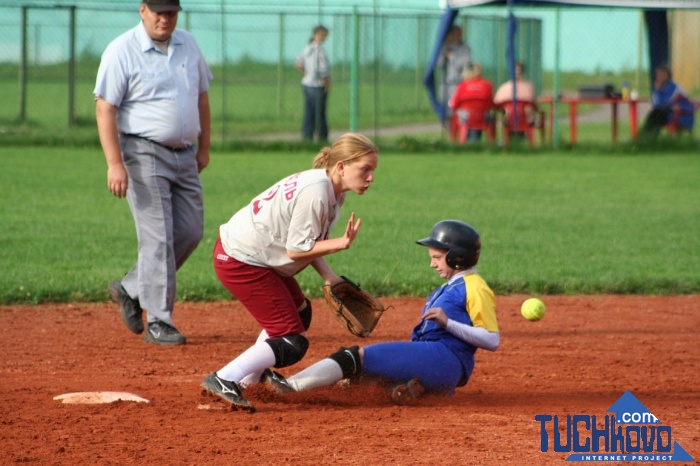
(632, 433)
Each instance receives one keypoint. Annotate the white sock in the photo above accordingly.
(254, 359)
(254, 377)
(323, 373)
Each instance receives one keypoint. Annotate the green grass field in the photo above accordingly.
(550, 222)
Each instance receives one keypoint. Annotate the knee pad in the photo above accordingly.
(305, 315)
(288, 349)
(349, 361)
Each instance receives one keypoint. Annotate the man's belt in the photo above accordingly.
(174, 149)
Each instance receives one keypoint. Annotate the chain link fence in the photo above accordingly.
(49, 58)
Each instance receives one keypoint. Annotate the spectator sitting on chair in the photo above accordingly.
(667, 98)
(524, 91)
(474, 86)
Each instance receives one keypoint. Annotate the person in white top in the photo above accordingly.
(312, 62)
(153, 119)
(454, 57)
(279, 233)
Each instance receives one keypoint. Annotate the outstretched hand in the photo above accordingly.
(351, 230)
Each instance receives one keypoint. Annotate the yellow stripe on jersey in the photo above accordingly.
(481, 303)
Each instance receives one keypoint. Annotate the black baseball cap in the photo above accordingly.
(161, 6)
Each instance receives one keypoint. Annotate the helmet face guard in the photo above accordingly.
(459, 239)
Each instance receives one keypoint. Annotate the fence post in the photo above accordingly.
(280, 68)
(71, 69)
(640, 46)
(354, 70)
(23, 67)
(224, 66)
(555, 106)
(419, 55)
(378, 59)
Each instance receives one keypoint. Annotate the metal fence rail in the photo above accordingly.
(49, 57)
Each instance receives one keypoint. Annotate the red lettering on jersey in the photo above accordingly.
(290, 187)
(258, 204)
(289, 190)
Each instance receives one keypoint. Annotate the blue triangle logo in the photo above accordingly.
(679, 454)
(629, 410)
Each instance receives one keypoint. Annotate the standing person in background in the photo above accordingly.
(453, 59)
(668, 101)
(312, 62)
(277, 235)
(153, 118)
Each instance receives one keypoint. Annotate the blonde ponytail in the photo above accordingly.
(322, 159)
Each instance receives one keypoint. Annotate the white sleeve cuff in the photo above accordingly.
(477, 336)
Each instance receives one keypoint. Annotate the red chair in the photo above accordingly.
(673, 127)
(473, 114)
(519, 121)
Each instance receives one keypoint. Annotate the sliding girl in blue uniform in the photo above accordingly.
(458, 318)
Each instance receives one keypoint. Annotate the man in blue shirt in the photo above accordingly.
(153, 118)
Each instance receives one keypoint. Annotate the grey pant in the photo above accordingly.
(165, 197)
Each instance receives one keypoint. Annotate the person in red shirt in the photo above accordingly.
(473, 86)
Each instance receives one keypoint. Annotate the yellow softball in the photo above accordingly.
(533, 309)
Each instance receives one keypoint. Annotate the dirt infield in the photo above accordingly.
(580, 359)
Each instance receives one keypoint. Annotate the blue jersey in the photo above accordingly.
(439, 359)
(466, 299)
(671, 94)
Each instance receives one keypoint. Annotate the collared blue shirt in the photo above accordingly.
(157, 94)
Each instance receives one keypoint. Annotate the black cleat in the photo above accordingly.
(229, 391)
(163, 334)
(276, 381)
(130, 308)
(407, 393)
